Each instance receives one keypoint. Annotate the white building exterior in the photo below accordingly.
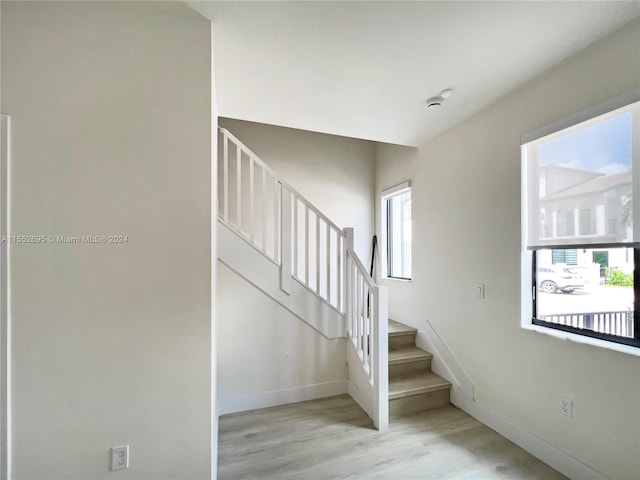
(587, 206)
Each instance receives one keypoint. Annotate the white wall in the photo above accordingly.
(466, 226)
(336, 174)
(255, 334)
(111, 116)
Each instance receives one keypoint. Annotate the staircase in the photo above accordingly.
(276, 239)
(413, 387)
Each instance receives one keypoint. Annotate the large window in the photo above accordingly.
(396, 208)
(581, 207)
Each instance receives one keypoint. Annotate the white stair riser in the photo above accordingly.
(418, 403)
(409, 368)
(416, 388)
(397, 342)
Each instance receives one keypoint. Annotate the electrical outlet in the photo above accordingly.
(566, 406)
(120, 457)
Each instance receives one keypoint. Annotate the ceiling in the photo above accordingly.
(364, 69)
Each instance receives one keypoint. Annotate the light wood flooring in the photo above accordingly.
(333, 438)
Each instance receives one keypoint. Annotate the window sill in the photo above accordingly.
(394, 279)
(616, 347)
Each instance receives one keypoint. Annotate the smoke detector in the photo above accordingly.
(436, 102)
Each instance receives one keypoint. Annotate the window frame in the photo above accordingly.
(387, 237)
(629, 341)
(529, 257)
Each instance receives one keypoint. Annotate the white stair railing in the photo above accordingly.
(309, 248)
(317, 248)
(367, 329)
(279, 222)
(257, 218)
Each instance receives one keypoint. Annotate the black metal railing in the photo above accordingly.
(611, 323)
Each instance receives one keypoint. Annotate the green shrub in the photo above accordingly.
(618, 278)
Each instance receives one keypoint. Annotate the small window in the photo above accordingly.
(582, 241)
(569, 257)
(602, 259)
(396, 209)
(586, 226)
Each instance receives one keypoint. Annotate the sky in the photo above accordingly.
(604, 147)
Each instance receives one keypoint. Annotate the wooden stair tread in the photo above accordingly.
(396, 328)
(424, 383)
(409, 354)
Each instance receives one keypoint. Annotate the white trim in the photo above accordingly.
(385, 195)
(536, 446)
(462, 396)
(585, 340)
(587, 114)
(585, 244)
(444, 364)
(281, 397)
(528, 291)
(5, 299)
(395, 279)
(635, 160)
(391, 191)
(214, 408)
(383, 239)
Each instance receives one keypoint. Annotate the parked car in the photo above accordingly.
(551, 278)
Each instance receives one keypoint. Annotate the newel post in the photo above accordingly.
(348, 238)
(285, 240)
(381, 358)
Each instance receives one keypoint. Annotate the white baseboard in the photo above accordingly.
(462, 396)
(280, 397)
(444, 363)
(552, 456)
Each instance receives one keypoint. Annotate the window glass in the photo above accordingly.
(587, 295)
(398, 233)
